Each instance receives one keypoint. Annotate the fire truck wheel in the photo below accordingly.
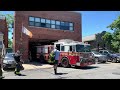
(65, 63)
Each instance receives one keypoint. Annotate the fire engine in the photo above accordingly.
(72, 53)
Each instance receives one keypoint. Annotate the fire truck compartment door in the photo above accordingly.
(72, 59)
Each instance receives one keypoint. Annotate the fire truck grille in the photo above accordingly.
(86, 61)
(85, 55)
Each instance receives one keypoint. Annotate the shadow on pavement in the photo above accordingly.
(9, 69)
(34, 63)
(61, 73)
(21, 75)
(87, 67)
(105, 63)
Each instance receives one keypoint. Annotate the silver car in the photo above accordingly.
(9, 61)
(99, 57)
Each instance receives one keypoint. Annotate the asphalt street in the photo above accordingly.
(98, 71)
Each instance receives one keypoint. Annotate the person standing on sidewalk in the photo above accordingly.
(18, 62)
(57, 55)
(1, 73)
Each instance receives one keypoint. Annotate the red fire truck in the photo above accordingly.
(71, 53)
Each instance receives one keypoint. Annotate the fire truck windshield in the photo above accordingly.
(87, 48)
(83, 48)
(79, 48)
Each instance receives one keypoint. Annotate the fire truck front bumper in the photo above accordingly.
(85, 62)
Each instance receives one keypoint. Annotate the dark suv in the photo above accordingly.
(111, 56)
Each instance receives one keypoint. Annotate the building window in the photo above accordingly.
(57, 22)
(52, 21)
(71, 26)
(31, 21)
(42, 20)
(43, 24)
(47, 23)
(53, 24)
(37, 22)
(57, 26)
(64, 26)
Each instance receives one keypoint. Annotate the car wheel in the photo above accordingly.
(103, 61)
(4, 69)
(114, 60)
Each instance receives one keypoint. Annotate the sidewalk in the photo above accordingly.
(35, 65)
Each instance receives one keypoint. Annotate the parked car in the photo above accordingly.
(99, 57)
(9, 61)
(111, 56)
(117, 57)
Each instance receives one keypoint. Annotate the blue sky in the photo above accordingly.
(92, 21)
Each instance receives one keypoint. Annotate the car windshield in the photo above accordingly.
(111, 52)
(79, 48)
(118, 54)
(96, 52)
(87, 48)
(9, 55)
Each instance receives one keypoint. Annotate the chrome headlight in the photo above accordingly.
(5, 61)
(91, 55)
(118, 58)
(11, 62)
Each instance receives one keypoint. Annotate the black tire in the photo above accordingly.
(114, 60)
(103, 61)
(65, 63)
(4, 67)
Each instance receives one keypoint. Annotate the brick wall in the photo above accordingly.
(4, 30)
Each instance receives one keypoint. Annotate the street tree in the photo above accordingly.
(108, 39)
(115, 26)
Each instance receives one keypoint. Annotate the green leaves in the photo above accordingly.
(115, 40)
(9, 43)
(115, 25)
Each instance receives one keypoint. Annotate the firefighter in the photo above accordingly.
(57, 55)
(52, 57)
(1, 73)
(18, 63)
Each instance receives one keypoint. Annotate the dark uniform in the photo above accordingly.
(18, 63)
(1, 68)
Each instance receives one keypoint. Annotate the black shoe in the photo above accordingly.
(1, 77)
(55, 71)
